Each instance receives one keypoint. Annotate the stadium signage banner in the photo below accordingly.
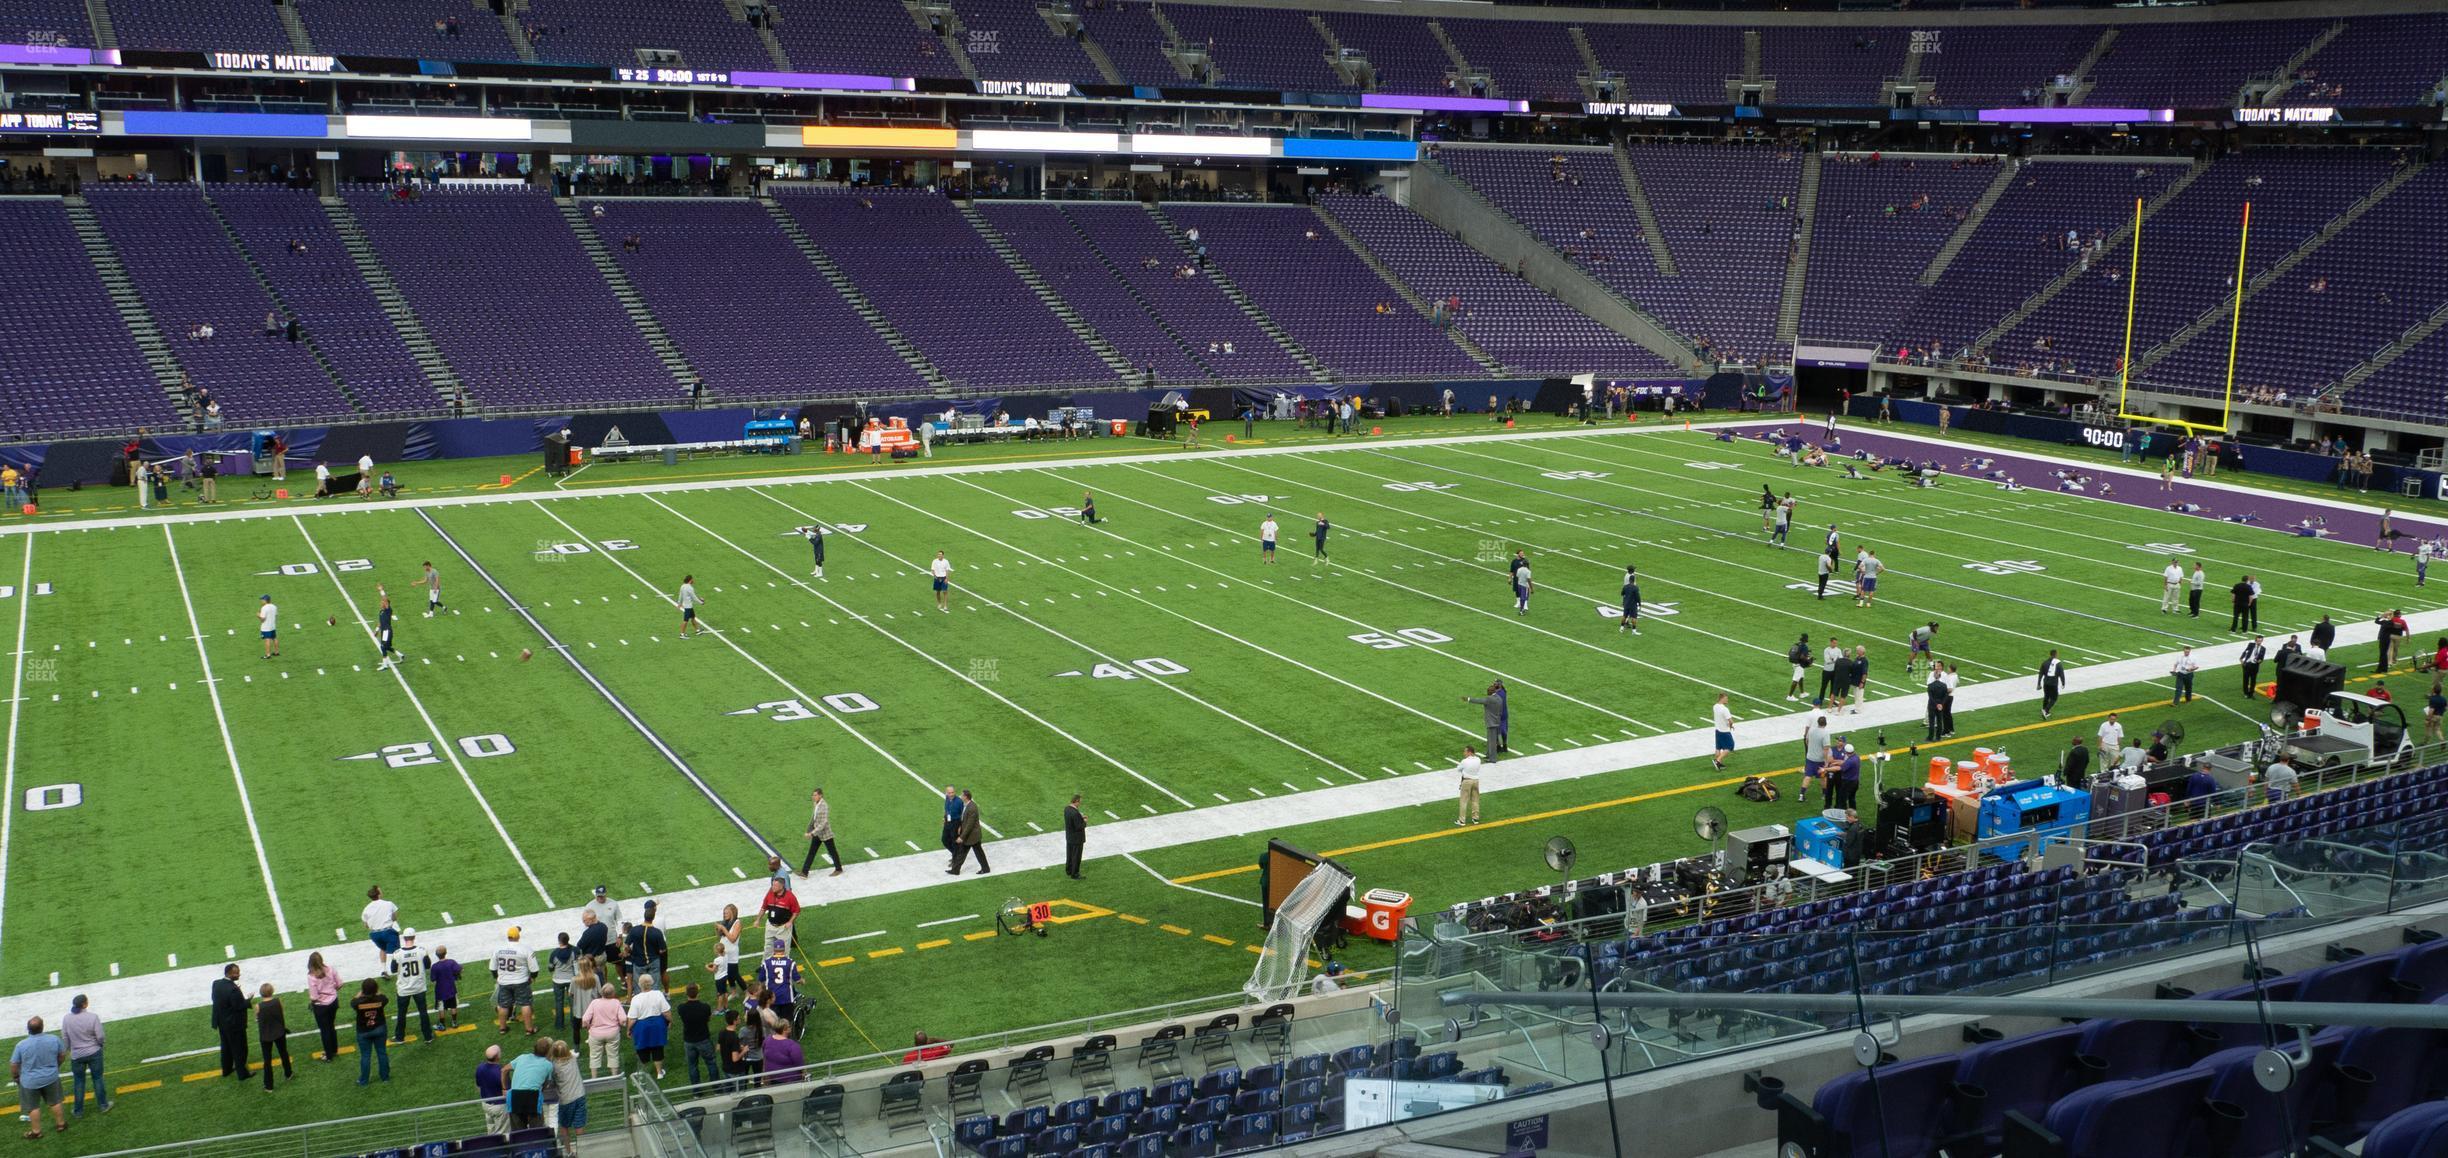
(1442, 104)
(846, 82)
(1628, 109)
(1042, 89)
(2312, 115)
(2076, 116)
(400, 128)
(59, 122)
(157, 123)
(55, 54)
(272, 62)
(672, 76)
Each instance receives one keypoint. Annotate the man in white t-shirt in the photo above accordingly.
(2111, 739)
(365, 475)
(513, 984)
(1466, 811)
(381, 919)
(267, 624)
(689, 601)
(1266, 540)
(1721, 718)
(322, 479)
(941, 571)
(2170, 580)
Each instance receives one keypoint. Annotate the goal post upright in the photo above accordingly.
(2235, 326)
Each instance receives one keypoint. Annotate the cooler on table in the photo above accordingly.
(1379, 915)
(1820, 839)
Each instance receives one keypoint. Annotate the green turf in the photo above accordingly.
(1152, 663)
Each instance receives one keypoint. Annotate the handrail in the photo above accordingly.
(2323, 1013)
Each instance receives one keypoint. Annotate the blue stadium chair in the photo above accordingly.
(2357, 980)
(1075, 1112)
(1355, 1059)
(1256, 1101)
(1222, 1080)
(1306, 1091)
(1022, 1123)
(1055, 1140)
(1194, 1141)
(1262, 1077)
(1124, 1102)
(1098, 1150)
(1142, 1146)
(2135, 1049)
(971, 1131)
(2423, 971)
(1250, 1131)
(1314, 1065)
(2274, 1123)
(2165, 1114)
(2421, 1132)
(1900, 1108)
(1172, 1093)
(2381, 1071)
(1214, 1109)
(1111, 1128)
(1157, 1120)
(1299, 1122)
(1525, 1091)
(1003, 1148)
(2026, 1074)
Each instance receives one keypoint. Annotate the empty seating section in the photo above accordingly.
(47, 22)
(1260, 47)
(1132, 39)
(2188, 255)
(612, 31)
(1195, 307)
(2354, 294)
(862, 36)
(1515, 322)
(1682, 63)
(2409, 386)
(1726, 212)
(1832, 66)
(1007, 40)
(2377, 60)
(322, 286)
(752, 315)
(1043, 237)
(2178, 66)
(1322, 294)
(1529, 60)
(1876, 228)
(1983, 66)
(171, 25)
(404, 30)
(189, 274)
(66, 360)
(1402, 49)
(1586, 215)
(2018, 249)
(938, 282)
(515, 306)
(2359, 806)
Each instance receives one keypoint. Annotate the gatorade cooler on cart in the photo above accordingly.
(1378, 916)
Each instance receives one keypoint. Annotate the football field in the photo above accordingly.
(174, 798)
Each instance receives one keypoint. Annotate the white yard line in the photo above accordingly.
(812, 703)
(442, 743)
(17, 663)
(914, 649)
(1191, 888)
(229, 746)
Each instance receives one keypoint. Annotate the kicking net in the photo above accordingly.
(1283, 962)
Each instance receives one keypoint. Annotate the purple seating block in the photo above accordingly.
(67, 363)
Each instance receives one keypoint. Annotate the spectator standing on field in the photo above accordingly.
(82, 1032)
(781, 910)
(969, 839)
(602, 1023)
(649, 1022)
(1495, 713)
(570, 1086)
(446, 987)
(951, 818)
(2193, 593)
(410, 970)
(35, 1065)
(2250, 660)
(513, 984)
(697, 1036)
(272, 1033)
(2171, 579)
(820, 834)
(1521, 589)
(381, 917)
(2052, 681)
(1466, 807)
(323, 999)
(562, 964)
(605, 910)
(1075, 836)
(367, 1011)
(1721, 718)
(229, 1018)
(525, 1078)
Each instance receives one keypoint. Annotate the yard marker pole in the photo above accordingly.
(229, 747)
(2235, 324)
(2133, 285)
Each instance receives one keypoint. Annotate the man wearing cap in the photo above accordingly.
(513, 974)
(1847, 780)
(409, 969)
(605, 910)
(781, 912)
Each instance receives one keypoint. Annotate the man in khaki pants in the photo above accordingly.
(1467, 810)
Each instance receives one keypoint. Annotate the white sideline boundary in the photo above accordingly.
(172, 990)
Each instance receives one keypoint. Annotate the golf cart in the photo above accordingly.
(2352, 730)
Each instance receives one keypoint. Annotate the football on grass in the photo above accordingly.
(525, 654)
(331, 621)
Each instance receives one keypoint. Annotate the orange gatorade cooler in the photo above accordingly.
(1382, 912)
(1938, 769)
(1964, 771)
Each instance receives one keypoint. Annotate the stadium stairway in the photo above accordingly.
(98, 14)
(1656, 237)
(1241, 299)
(1970, 225)
(2217, 315)
(296, 28)
(1478, 354)
(1036, 282)
(2082, 70)
(1149, 308)
(633, 303)
(412, 333)
(124, 298)
(306, 337)
(2114, 244)
(2382, 358)
(850, 292)
(1806, 208)
(1453, 52)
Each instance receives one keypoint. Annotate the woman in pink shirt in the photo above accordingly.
(602, 1021)
(323, 996)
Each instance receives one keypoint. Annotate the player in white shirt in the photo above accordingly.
(431, 581)
(941, 569)
(513, 984)
(1721, 718)
(381, 919)
(1466, 809)
(689, 601)
(267, 624)
(1266, 540)
(2170, 580)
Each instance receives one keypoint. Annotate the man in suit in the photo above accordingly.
(2052, 681)
(2324, 635)
(951, 821)
(2241, 594)
(965, 836)
(229, 1019)
(2250, 660)
(1075, 837)
(2075, 770)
